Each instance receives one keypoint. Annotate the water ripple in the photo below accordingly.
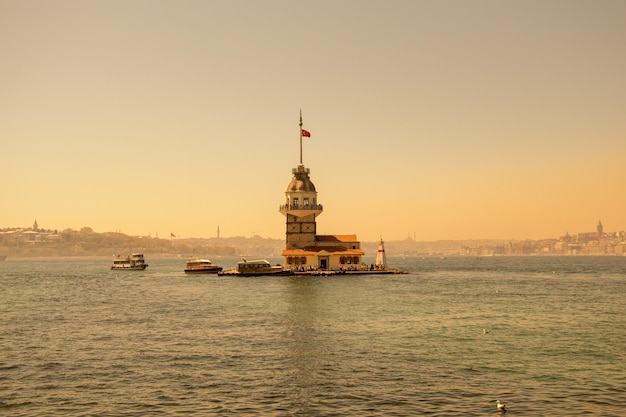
(78, 340)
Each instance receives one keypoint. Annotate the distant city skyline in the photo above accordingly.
(429, 120)
(586, 234)
(37, 242)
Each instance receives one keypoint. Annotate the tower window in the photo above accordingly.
(295, 203)
(306, 202)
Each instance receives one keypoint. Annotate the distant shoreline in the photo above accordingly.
(31, 243)
(392, 256)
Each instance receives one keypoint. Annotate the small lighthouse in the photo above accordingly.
(381, 258)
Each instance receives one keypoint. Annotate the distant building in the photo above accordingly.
(600, 229)
(586, 243)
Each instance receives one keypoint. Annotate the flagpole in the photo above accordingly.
(300, 136)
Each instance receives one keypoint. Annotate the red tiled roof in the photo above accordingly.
(315, 250)
(336, 238)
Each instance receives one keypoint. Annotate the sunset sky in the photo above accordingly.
(429, 119)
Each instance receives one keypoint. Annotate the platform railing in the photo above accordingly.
(300, 206)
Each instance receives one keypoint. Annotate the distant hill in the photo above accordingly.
(18, 242)
(34, 242)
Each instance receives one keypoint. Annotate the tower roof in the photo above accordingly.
(301, 180)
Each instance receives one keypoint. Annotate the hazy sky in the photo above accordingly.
(429, 119)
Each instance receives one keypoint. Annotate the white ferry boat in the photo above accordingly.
(201, 266)
(256, 268)
(133, 262)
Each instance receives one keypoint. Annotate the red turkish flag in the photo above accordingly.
(306, 133)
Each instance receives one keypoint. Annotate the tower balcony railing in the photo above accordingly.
(301, 206)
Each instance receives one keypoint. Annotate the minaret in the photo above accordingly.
(301, 208)
(600, 229)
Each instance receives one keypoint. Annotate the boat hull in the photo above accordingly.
(285, 272)
(203, 270)
(129, 268)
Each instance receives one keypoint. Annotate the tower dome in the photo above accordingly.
(300, 182)
(301, 208)
(300, 196)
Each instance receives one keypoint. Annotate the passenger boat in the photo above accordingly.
(201, 266)
(134, 262)
(256, 268)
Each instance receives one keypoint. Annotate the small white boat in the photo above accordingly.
(256, 268)
(201, 266)
(134, 262)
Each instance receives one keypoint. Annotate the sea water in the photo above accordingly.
(545, 335)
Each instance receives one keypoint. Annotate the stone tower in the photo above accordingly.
(301, 210)
(305, 250)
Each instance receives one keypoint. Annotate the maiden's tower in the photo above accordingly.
(305, 250)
